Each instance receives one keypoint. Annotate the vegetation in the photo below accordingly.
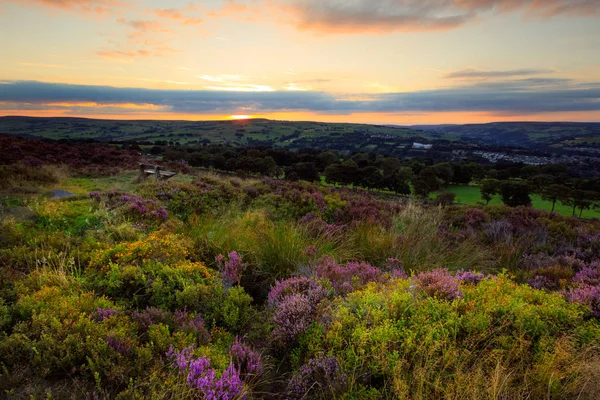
(220, 287)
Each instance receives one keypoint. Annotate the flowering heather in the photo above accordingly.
(439, 283)
(472, 278)
(540, 282)
(586, 295)
(231, 269)
(347, 278)
(117, 344)
(246, 360)
(134, 205)
(589, 275)
(104, 313)
(151, 316)
(292, 317)
(318, 200)
(318, 374)
(186, 322)
(306, 287)
(203, 378)
(95, 196)
(475, 217)
(498, 231)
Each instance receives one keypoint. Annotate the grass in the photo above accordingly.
(471, 195)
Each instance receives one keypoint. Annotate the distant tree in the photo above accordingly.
(582, 200)
(370, 177)
(538, 183)
(306, 171)
(554, 193)
(445, 172)
(421, 187)
(515, 194)
(445, 199)
(389, 166)
(489, 188)
(429, 175)
(399, 181)
(327, 158)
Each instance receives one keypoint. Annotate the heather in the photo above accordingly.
(220, 288)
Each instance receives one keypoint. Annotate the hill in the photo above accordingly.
(521, 134)
(242, 132)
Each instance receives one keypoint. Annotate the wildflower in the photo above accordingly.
(321, 373)
(231, 269)
(245, 359)
(438, 283)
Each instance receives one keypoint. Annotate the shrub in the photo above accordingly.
(349, 277)
(438, 283)
(320, 377)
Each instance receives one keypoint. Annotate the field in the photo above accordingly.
(472, 195)
(233, 288)
(241, 132)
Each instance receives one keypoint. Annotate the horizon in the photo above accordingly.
(384, 62)
(229, 119)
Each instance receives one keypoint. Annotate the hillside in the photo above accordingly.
(521, 134)
(241, 132)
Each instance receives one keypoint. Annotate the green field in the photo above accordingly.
(471, 195)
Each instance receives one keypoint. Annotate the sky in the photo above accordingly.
(400, 62)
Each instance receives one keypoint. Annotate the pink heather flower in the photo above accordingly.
(246, 360)
(469, 277)
(231, 269)
(347, 278)
(292, 317)
(203, 378)
(589, 275)
(438, 283)
(321, 373)
(296, 285)
(586, 295)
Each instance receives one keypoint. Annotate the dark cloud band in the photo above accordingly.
(516, 97)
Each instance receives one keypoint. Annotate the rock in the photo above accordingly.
(60, 194)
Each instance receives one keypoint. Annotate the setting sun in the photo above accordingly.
(241, 117)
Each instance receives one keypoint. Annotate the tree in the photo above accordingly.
(515, 194)
(445, 199)
(539, 182)
(582, 199)
(399, 181)
(421, 187)
(554, 193)
(370, 177)
(489, 188)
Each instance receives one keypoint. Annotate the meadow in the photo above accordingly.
(466, 194)
(217, 287)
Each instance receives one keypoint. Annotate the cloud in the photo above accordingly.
(517, 99)
(55, 66)
(177, 15)
(99, 7)
(114, 53)
(384, 16)
(473, 73)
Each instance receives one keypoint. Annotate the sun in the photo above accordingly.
(238, 117)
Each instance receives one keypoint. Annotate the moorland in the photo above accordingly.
(278, 272)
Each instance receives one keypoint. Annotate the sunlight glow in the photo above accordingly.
(239, 117)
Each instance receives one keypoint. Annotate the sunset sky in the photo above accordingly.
(375, 61)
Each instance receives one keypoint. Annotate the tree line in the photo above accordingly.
(421, 176)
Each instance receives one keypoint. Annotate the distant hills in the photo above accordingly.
(352, 137)
(521, 134)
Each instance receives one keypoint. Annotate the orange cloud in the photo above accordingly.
(385, 16)
(176, 15)
(99, 7)
(123, 53)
